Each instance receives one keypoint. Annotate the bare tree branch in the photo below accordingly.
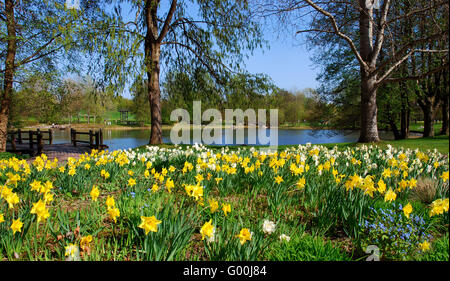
(418, 77)
(166, 25)
(37, 52)
(380, 34)
(340, 34)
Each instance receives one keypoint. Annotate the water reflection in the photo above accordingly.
(123, 139)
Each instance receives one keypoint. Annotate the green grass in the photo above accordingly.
(7, 155)
(115, 115)
(306, 248)
(418, 126)
(441, 143)
(439, 250)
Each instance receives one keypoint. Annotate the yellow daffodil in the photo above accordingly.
(381, 186)
(48, 197)
(407, 210)
(85, 241)
(131, 182)
(386, 173)
(226, 208)
(72, 171)
(169, 185)
(214, 205)
(16, 226)
(114, 213)
(35, 185)
(110, 203)
(390, 196)
(301, 183)
(199, 178)
(424, 246)
(12, 199)
(444, 176)
(244, 235)
(278, 179)
(439, 206)
(207, 230)
(40, 210)
(149, 224)
(95, 192)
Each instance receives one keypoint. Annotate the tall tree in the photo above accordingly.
(33, 33)
(211, 34)
(364, 28)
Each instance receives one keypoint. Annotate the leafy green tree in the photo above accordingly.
(211, 34)
(33, 34)
(35, 99)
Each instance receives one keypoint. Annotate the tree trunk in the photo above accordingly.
(445, 104)
(369, 127)
(397, 134)
(9, 73)
(404, 112)
(427, 107)
(404, 132)
(428, 124)
(152, 57)
(445, 116)
(155, 97)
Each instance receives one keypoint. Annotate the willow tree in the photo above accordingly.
(34, 34)
(172, 34)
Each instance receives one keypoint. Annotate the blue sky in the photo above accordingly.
(287, 63)
(284, 60)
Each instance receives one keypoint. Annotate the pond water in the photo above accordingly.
(124, 139)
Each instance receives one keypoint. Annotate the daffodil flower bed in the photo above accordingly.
(200, 203)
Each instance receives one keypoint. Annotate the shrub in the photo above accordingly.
(396, 235)
(425, 190)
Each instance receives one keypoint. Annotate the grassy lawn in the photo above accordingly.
(418, 126)
(115, 115)
(441, 143)
(7, 155)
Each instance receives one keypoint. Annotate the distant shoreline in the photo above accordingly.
(168, 127)
(164, 127)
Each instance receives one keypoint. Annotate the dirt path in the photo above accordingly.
(62, 152)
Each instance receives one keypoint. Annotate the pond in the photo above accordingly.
(124, 139)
